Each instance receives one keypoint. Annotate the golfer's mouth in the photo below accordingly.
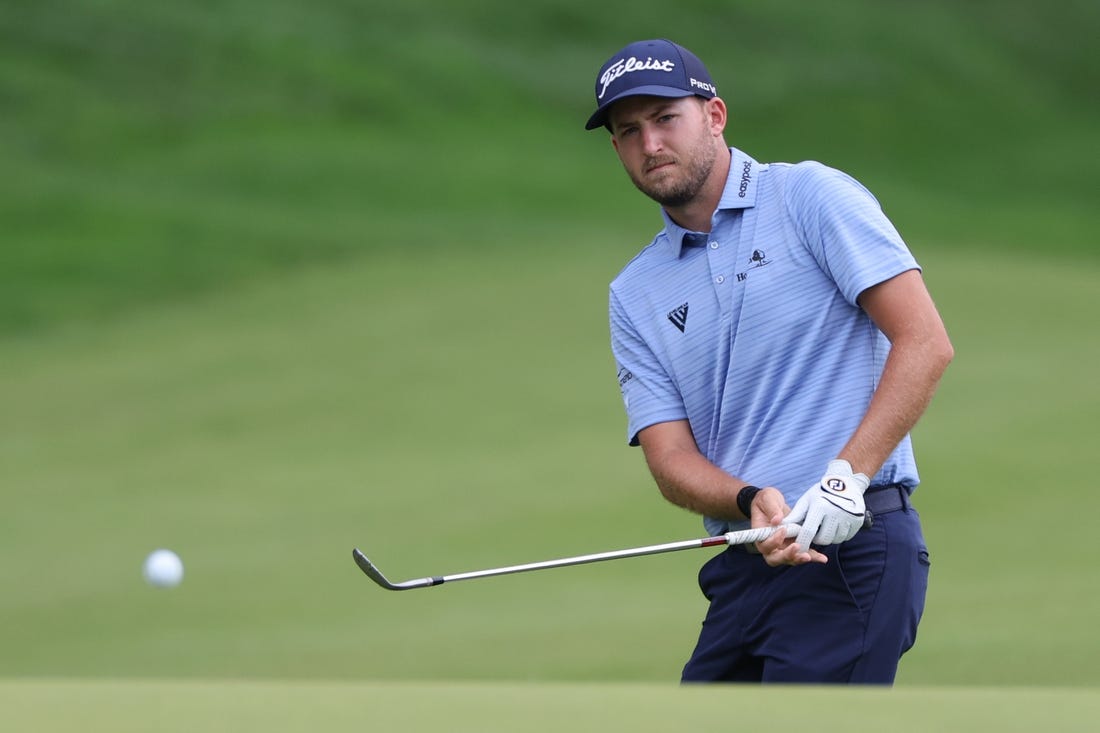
(659, 165)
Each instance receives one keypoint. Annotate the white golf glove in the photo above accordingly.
(832, 510)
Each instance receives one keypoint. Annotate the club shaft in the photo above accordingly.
(730, 538)
(585, 559)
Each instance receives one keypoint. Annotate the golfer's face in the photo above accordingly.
(666, 145)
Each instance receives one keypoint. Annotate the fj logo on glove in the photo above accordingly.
(835, 484)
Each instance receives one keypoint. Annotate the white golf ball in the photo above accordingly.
(163, 568)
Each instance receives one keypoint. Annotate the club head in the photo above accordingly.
(376, 575)
(372, 572)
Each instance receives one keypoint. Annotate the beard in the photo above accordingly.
(693, 169)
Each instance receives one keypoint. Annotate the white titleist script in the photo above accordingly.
(626, 66)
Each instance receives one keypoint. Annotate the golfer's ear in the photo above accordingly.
(717, 113)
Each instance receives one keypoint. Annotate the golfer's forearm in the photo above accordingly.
(909, 380)
(686, 478)
(710, 495)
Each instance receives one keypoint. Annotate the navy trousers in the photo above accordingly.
(847, 621)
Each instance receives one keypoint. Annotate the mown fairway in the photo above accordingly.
(276, 282)
(264, 433)
(480, 707)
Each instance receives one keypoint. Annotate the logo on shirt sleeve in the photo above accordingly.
(679, 317)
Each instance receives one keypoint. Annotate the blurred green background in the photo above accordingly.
(278, 279)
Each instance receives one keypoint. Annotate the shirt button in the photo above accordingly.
(720, 279)
(714, 245)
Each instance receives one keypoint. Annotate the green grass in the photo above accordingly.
(152, 152)
(1001, 449)
(127, 705)
(264, 433)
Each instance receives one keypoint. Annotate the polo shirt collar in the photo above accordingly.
(741, 185)
(739, 193)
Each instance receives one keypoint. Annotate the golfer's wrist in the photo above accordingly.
(745, 495)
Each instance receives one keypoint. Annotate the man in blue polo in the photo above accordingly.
(775, 344)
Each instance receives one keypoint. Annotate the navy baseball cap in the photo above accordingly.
(658, 68)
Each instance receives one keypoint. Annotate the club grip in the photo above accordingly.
(868, 519)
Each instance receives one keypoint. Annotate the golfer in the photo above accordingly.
(775, 344)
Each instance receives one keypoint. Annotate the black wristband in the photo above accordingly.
(744, 499)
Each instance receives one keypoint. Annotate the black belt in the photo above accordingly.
(886, 499)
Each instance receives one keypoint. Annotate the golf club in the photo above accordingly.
(741, 537)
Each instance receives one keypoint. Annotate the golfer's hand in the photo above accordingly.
(831, 511)
(768, 510)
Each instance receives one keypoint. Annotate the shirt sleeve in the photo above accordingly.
(845, 229)
(650, 396)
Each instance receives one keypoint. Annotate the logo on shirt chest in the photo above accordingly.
(679, 317)
(757, 260)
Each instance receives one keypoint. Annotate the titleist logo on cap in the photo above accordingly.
(626, 66)
(657, 68)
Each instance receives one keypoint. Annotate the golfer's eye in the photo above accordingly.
(627, 131)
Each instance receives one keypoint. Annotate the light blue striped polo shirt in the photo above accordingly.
(752, 332)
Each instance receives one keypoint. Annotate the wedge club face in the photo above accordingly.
(376, 575)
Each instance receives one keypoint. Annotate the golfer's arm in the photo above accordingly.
(684, 475)
(920, 351)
